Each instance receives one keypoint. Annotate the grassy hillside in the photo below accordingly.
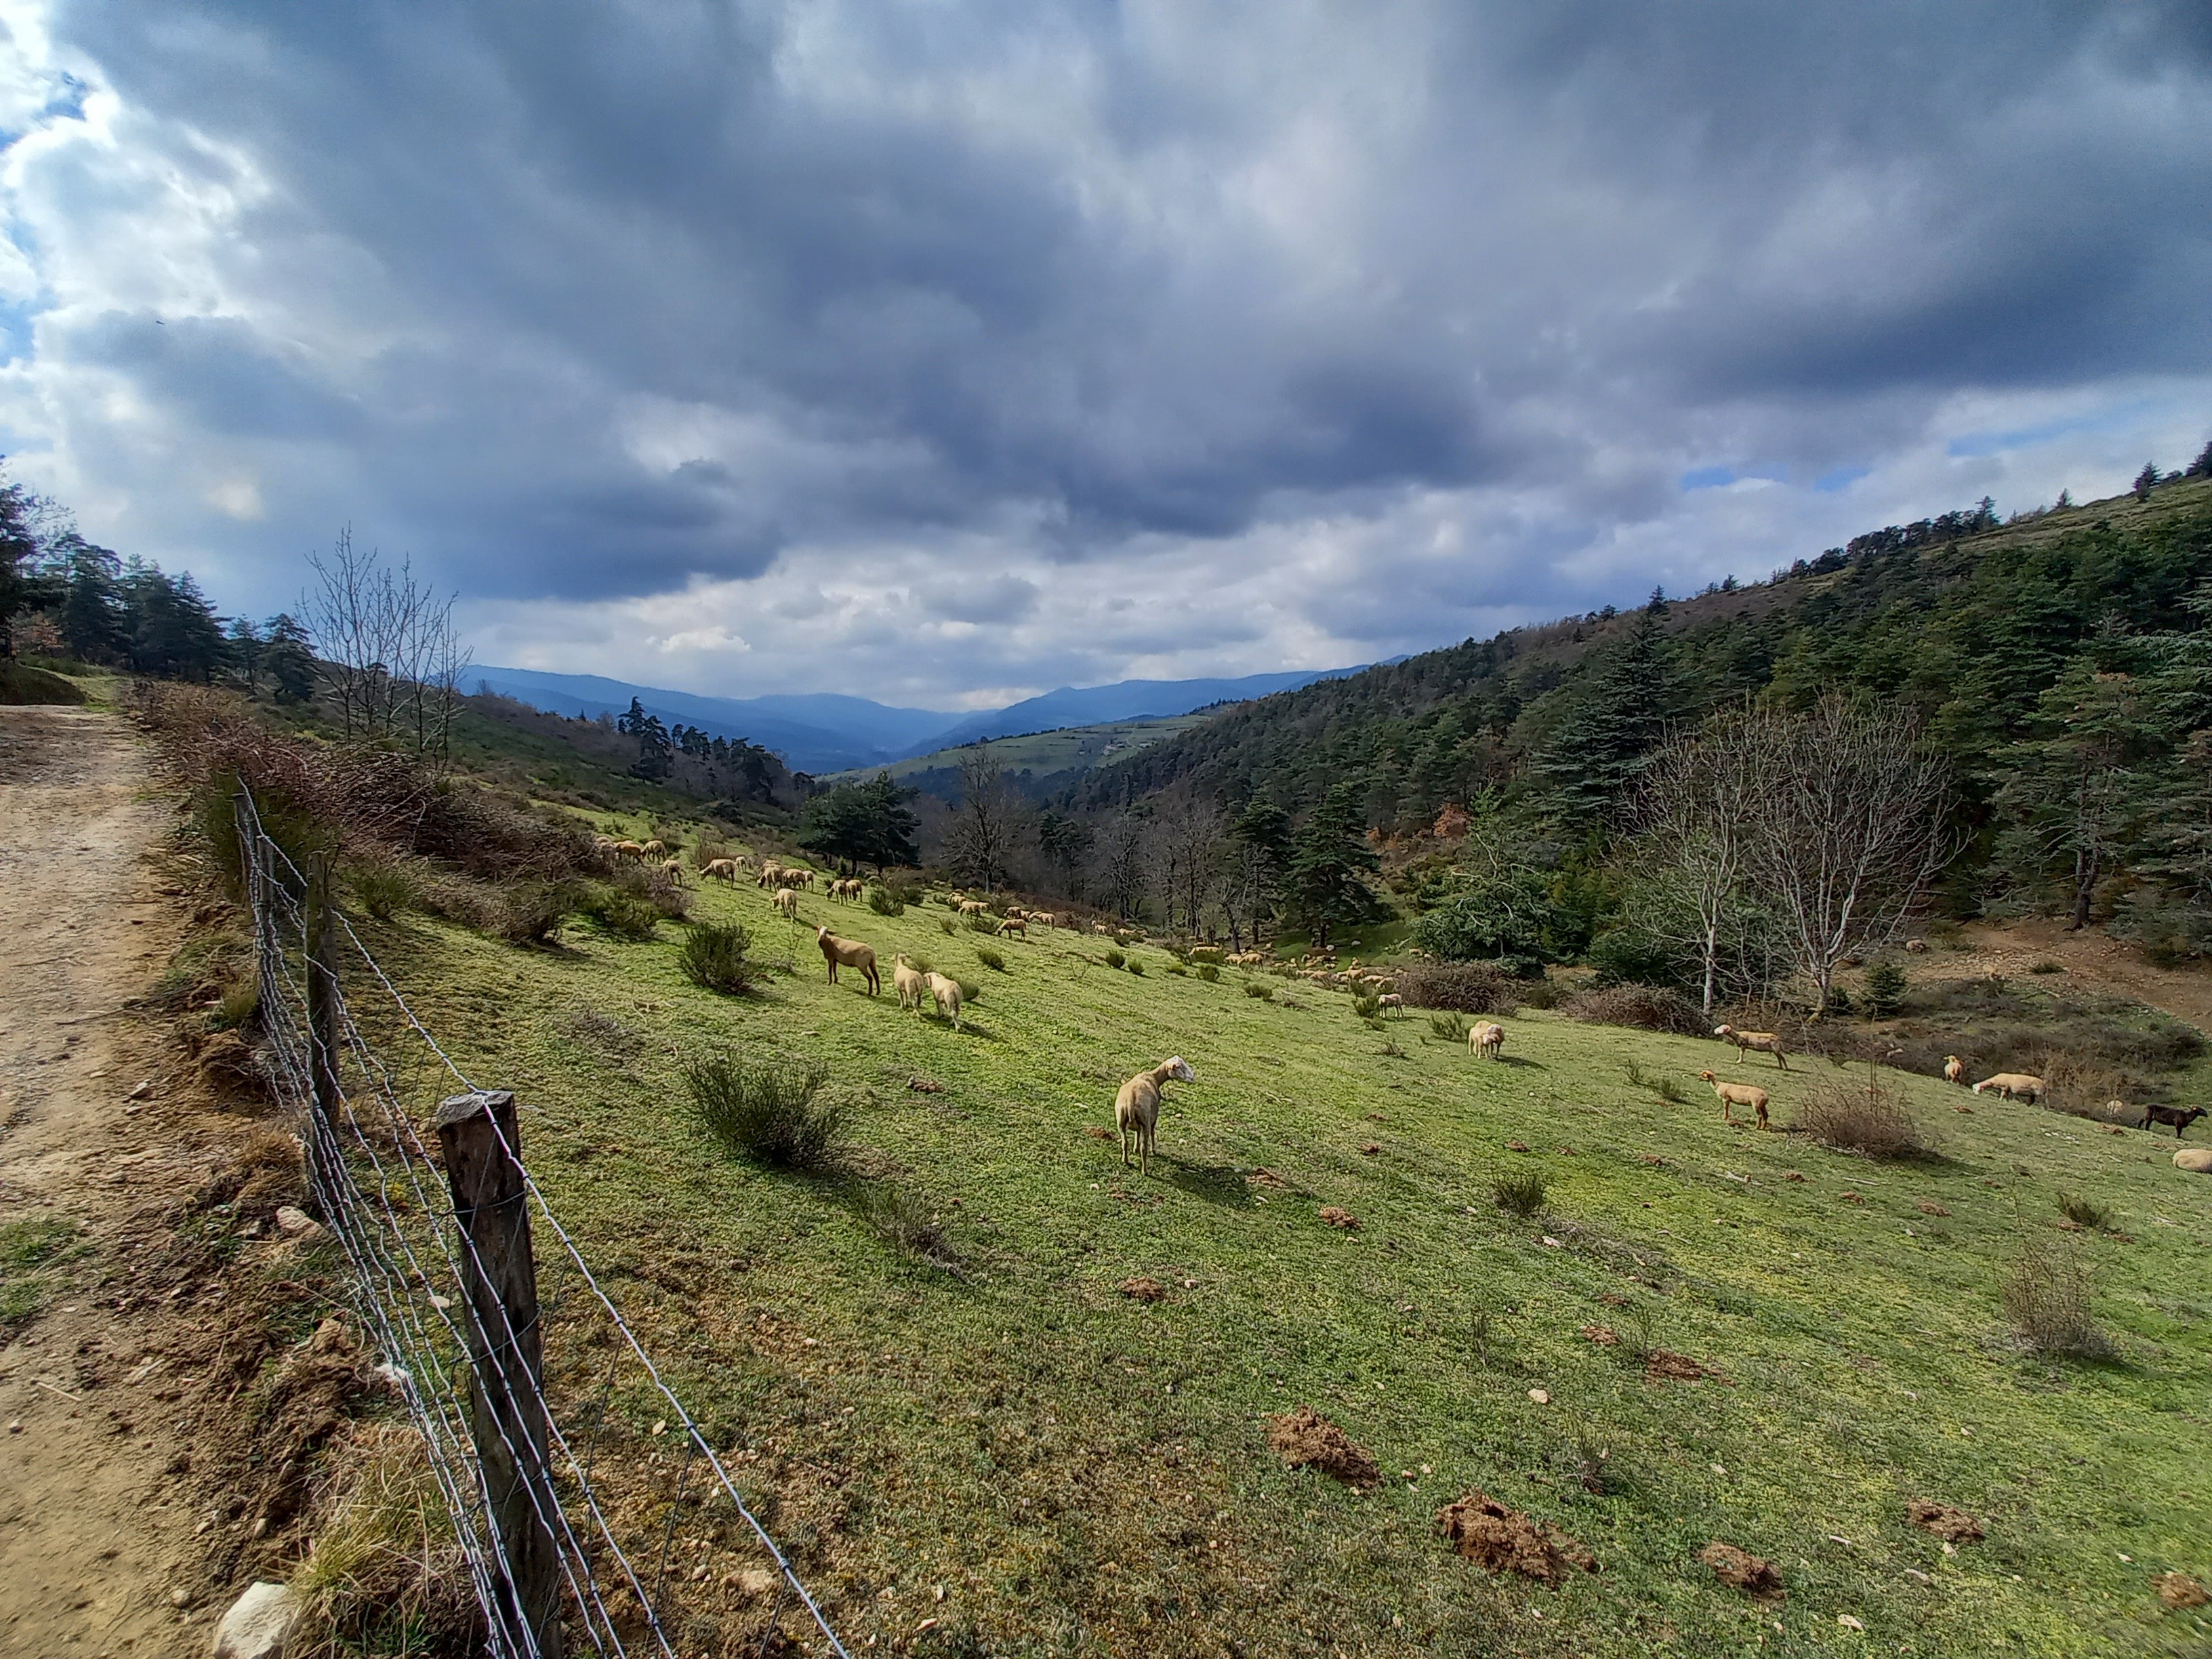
(1039, 762)
(1086, 1474)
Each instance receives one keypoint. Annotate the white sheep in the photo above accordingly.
(1734, 1095)
(1137, 1108)
(1954, 1069)
(1390, 1002)
(655, 849)
(910, 982)
(1487, 1036)
(1765, 1042)
(786, 900)
(673, 869)
(945, 992)
(722, 870)
(2012, 1086)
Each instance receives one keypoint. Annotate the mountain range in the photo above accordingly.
(821, 732)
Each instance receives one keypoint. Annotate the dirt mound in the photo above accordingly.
(1741, 1570)
(2178, 1591)
(1604, 1335)
(1099, 1131)
(1665, 1365)
(1502, 1539)
(1304, 1439)
(1333, 1216)
(1267, 1178)
(1143, 1289)
(1953, 1525)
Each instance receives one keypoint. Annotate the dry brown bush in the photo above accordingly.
(2046, 1296)
(1861, 1113)
(1648, 1007)
(1458, 986)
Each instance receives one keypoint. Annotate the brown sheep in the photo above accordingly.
(847, 953)
(1765, 1042)
(786, 900)
(722, 870)
(1137, 1108)
(1734, 1095)
(1954, 1069)
(1013, 924)
(628, 850)
(1486, 1037)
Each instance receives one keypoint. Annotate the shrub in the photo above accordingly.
(711, 847)
(624, 914)
(714, 956)
(240, 1002)
(532, 913)
(982, 922)
(885, 902)
(1115, 959)
(1885, 986)
(1629, 956)
(1522, 1194)
(947, 925)
(2085, 1213)
(1254, 988)
(1178, 970)
(1537, 994)
(1501, 920)
(1367, 1007)
(1137, 967)
(1449, 1027)
(1208, 972)
(1867, 1118)
(769, 1111)
(384, 889)
(2046, 1296)
(905, 1223)
(968, 992)
(990, 959)
(1461, 987)
(1647, 1007)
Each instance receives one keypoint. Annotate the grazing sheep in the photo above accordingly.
(722, 870)
(1013, 924)
(945, 992)
(1391, 1003)
(1765, 1042)
(1734, 1095)
(673, 869)
(973, 906)
(1488, 1037)
(1015, 913)
(655, 849)
(1044, 918)
(628, 850)
(2012, 1086)
(1954, 1069)
(1137, 1108)
(847, 953)
(786, 900)
(2179, 1117)
(910, 982)
(1101, 928)
(771, 874)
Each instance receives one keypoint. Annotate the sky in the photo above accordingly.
(944, 352)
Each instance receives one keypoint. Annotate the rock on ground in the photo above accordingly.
(259, 1623)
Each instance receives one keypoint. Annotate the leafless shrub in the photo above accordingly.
(1648, 1007)
(2046, 1296)
(1862, 1114)
(1458, 987)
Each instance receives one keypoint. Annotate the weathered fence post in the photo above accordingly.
(499, 1283)
(321, 969)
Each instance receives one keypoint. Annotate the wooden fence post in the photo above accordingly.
(321, 968)
(499, 1283)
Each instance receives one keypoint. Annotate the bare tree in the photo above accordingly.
(1695, 815)
(387, 647)
(1846, 828)
(985, 827)
(1186, 839)
(1120, 863)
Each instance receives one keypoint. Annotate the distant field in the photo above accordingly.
(1084, 1474)
(1072, 750)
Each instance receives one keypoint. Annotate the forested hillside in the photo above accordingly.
(2058, 662)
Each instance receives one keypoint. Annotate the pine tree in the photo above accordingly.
(290, 664)
(2146, 480)
(1610, 732)
(862, 823)
(1328, 860)
(94, 625)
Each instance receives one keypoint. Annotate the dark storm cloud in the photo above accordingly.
(637, 296)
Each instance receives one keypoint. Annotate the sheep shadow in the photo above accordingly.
(1519, 1062)
(1216, 1183)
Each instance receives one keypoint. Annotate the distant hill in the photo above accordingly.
(822, 732)
(1038, 763)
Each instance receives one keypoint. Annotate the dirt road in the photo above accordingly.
(96, 1536)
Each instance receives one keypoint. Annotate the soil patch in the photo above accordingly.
(1741, 1570)
(1334, 1216)
(1304, 1439)
(1604, 1335)
(1267, 1178)
(1665, 1365)
(1143, 1289)
(1503, 1540)
(1953, 1525)
(2178, 1591)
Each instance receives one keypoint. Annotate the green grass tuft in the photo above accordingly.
(770, 1111)
(1522, 1194)
(715, 957)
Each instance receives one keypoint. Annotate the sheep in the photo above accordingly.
(1391, 1003)
(722, 870)
(673, 869)
(1137, 1108)
(2179, 1117)
(945, 992)
(771, 874)
(1015, 913)
(1487, 1036)
(786, 900)
(848, 953)
(801, 877)
(2012, 1086)
(973, 907)
(1101, 928)
(628, 850)
(1765, 1042)
(1734, 1095)
(1044, 918)
(1013, 924)
(1919, 947)
(1954, 1069)
(910, 982)
(655, 849)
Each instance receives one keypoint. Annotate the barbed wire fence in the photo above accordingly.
(418, 1174)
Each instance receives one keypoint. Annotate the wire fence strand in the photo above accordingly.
(360, 1083)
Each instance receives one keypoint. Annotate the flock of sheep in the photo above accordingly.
(1137, 1104)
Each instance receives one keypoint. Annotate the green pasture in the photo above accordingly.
(1082, 1473)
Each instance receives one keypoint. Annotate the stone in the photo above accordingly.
(296, 1223)
(2197, 1160)
(259, 1624)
